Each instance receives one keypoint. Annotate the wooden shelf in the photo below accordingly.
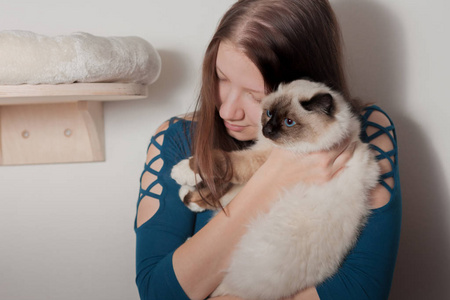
(57, 123)
(39, 94)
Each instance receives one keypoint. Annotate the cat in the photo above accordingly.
(307, 232)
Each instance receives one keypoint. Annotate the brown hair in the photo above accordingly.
(286, 40)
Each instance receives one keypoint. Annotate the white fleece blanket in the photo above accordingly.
(30, 58)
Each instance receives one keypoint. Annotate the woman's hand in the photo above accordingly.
(313, 168)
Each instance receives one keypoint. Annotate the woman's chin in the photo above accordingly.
(242, 136)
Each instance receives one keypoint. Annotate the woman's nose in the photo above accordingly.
(231, 107)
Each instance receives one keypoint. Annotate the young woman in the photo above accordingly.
(258, 44)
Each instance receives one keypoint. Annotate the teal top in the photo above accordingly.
(366, 273)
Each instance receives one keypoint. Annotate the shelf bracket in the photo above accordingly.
(52, 133)
(60, 123)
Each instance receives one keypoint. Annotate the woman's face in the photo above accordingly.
(241, 88)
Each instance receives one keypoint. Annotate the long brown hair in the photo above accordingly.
(286, 40)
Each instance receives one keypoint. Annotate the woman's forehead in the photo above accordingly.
(236, 66)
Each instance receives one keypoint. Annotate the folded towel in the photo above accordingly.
(30, 58)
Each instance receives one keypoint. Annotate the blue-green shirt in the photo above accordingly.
(366, 273)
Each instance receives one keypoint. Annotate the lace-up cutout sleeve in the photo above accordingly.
(379, 131)
(367, 270)
(151, 188)
(162, 223)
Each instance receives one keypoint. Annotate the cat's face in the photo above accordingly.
(302, 113)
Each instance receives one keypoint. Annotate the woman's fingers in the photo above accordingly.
(312, 168)
(343, 157)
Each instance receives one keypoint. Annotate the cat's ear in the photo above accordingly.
(320, 103)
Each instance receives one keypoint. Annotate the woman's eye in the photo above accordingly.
(258, 100)
(289, 122)
(268, 113)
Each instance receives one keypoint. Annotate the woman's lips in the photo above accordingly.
(233, 127)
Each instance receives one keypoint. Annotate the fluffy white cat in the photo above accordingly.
(305, 236)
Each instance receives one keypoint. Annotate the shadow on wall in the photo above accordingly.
(161, 93)
(161, 103)
(173, 74)
(375, 52)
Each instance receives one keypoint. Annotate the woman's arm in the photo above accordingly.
(162, 221)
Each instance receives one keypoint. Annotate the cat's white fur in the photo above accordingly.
(308, 231)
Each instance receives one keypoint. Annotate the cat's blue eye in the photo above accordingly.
(289, 122)
(268, 113)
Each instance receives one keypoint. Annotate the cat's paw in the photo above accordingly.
(187, 194)
(184, 175)
(195, 207)
(184, 192)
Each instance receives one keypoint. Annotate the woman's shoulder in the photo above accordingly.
(376, 115)
(376, 123)
(175, 123)
(175, 126)
(174, 134)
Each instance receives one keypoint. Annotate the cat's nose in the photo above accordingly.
(269, 131)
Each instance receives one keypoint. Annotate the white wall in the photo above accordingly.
(66, 230)
(397, 53)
